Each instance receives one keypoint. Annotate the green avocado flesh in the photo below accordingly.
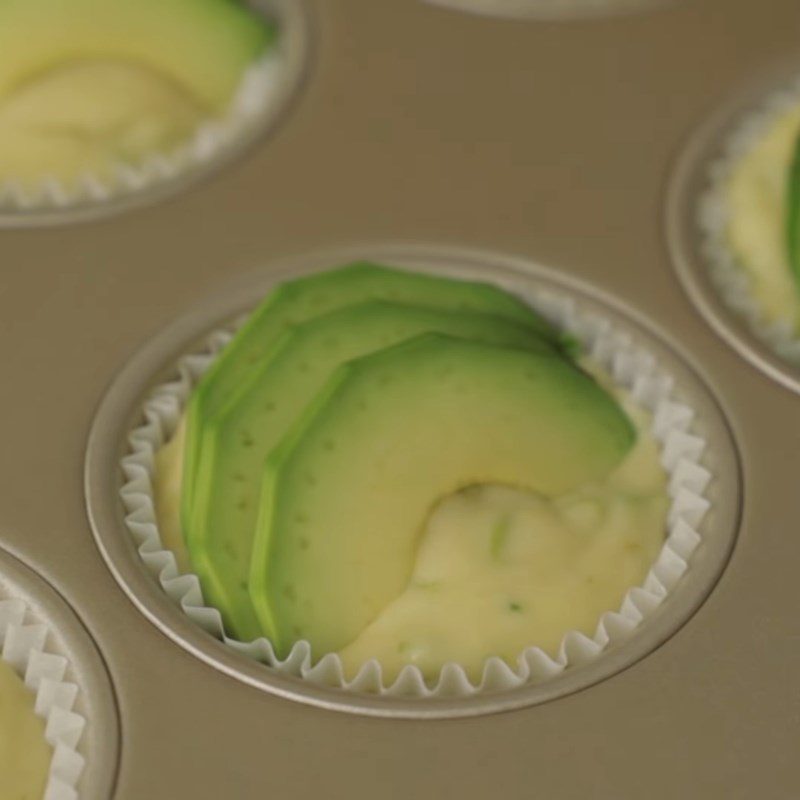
(202, 45)
(346, 493)
(793, 215)
(240, 437)
(297, 301)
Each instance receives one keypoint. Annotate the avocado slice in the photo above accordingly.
(301, 299)
(202, 45)
(346, 492)
(238, 439)
(793, 214)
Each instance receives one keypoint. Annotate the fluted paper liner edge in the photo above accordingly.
(24, 645)
(629, 366)
(712, 214)
(255, 93)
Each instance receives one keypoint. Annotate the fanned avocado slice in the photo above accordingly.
(203, 46)
(793, 214)
(239, 438)
(346, 493)
(296, 301)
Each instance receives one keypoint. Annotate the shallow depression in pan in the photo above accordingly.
(120, 412)
(706, 270)
(264, 97)
(96, 724)
(550, 9)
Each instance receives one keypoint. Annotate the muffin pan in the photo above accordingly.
(552, 142)
(707, 442)
(263, 97)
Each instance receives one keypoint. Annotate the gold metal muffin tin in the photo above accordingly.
(551, 141)
(156, 362)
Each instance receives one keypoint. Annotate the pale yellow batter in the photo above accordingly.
(167, 494)
(498, 569)
(24, 754)
(756, 199)
(87, 116)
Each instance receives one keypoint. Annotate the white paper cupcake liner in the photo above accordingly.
(713, 214)
(257, 91)
(630, 367)
(24, 645)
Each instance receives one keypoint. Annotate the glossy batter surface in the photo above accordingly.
(499, 570)
(24, 754)
(88, 117)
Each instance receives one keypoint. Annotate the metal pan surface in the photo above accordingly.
(552, 141)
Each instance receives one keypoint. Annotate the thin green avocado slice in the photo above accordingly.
(346, 493)
(793, 214)
(202, 45)
(240, 437)
(301, 299)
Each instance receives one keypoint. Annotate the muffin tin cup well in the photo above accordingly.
(264, 93)
(697, 451)
(43, 641)
(550, 9)
(695, 218)
(630, 368)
